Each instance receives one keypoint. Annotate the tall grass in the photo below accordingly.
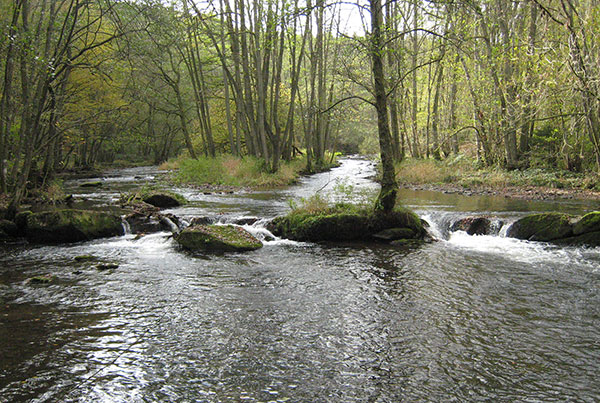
(228, 170)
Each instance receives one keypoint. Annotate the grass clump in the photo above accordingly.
(227, 170)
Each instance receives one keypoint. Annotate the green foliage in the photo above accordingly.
(545, 147)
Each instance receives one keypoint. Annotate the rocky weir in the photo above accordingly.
(210, 233)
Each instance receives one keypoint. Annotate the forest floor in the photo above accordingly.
(460, 176)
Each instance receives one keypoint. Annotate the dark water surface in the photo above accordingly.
(463, 319)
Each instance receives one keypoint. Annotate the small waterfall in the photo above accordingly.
(126, 227)
(170, 224)
(443, 225)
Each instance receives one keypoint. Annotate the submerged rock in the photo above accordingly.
(542, 227)
(107, 266)
(348, 225)
(472, 225)
(43, 279)
(217, 238)
(95, 184)
(85, 258)
(395, 234)
(68, 225)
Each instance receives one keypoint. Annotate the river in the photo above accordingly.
(466, 318)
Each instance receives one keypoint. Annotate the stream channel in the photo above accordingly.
(466, 318)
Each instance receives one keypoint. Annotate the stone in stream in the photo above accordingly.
(220, 238)
(472, 225)
(542, 227)
(347, 224)
(162, 200)
(68, 225)
(95, 184)
(85, 258)
(43, 279)
(107, 266)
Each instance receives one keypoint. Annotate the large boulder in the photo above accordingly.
(588, 223)
(347, 225)
(68, 225)
(542, 227)
(224, 238)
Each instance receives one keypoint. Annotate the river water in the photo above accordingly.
(466, 318)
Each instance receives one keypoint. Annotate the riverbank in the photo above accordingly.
(458, 176)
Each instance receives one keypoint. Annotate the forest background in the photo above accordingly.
(490, 86)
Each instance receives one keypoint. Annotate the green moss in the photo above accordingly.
(69, 225)
(542, 227)
(588, 223)
(217, 238)
(343, 223)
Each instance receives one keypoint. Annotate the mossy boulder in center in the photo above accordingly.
(346, 224)
(68, 225)
(541, 227)
(226, 238)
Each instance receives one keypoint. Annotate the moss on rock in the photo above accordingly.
(541, 227)
(588, 223)
(68, 225)
(226, 238)
(345, 224)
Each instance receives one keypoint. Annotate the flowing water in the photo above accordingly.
(466, 318)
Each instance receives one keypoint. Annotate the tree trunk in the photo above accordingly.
(389, 187)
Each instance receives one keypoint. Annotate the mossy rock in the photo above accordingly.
(85, 258)
(588, 223)
(68, 225)
(542, 227)
(342, 225)
(43, 279)
(225, 238)
(163, 200)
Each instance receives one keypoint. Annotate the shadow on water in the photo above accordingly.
(461, 319)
